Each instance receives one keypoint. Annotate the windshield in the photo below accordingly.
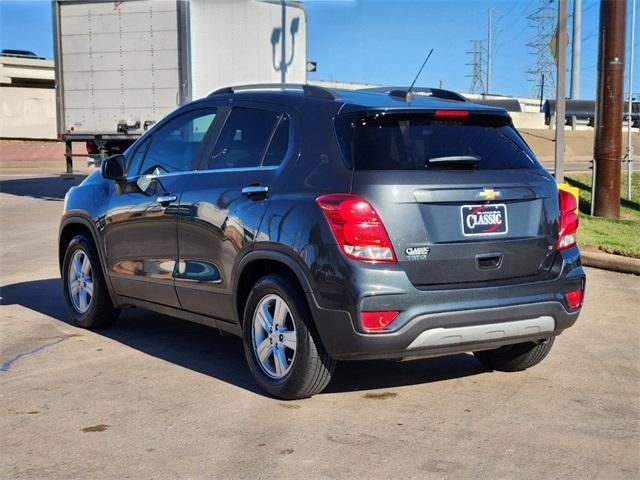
(419, 141)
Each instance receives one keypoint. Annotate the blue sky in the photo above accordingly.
(385, 41)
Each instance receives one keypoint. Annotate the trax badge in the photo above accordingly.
(484, 219)
(489, 194)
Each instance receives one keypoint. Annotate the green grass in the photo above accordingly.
(622, 236)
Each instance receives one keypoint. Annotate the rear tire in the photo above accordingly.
(85, 291)
(513, 358)
(282, 350)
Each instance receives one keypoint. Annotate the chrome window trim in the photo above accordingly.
(153, 176)
(220, 170)
(239, 169)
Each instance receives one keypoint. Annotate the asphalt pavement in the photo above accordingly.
(156, 397)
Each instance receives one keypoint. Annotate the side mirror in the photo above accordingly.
(114, 168)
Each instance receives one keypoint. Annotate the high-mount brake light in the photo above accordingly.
(357, 227)
(451, 114)
(568, 222)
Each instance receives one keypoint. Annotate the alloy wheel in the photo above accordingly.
(274, 336)
(80, 281)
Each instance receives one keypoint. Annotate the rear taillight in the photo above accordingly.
(377, 321)
(357, 227)
(574, 299)
(568, 223)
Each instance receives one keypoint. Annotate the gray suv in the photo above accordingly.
(323, 225)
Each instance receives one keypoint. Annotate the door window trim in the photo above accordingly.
(285, 159)
(203, 146)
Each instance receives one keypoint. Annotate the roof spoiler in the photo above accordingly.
(401, 93)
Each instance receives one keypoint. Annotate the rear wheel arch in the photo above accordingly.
(256, 265)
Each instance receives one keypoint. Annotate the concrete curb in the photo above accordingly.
(607, 261)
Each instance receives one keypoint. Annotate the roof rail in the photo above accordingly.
(401, 92)
(309, 90)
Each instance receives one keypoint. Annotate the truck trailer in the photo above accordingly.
(122, 65)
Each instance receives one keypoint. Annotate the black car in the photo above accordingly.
(324, 225)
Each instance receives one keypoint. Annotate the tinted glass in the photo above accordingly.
(244, 138)
(174, 147)
(412, 141)
(279, 144)
(135, 160)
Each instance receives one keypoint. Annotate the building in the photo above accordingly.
(27, 97)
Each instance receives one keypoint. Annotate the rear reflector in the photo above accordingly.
(568, 222)
(377, 321)
(574, 299)
(357, 227)
(451, 113)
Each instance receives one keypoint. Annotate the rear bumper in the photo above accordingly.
(436, 322)
(448, 332)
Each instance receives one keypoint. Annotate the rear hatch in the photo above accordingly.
(461, 195)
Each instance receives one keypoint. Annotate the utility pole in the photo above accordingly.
(629, 121)
(609, 105)
(489, 46)
(476, 64)
(574, 92)
(561, 90)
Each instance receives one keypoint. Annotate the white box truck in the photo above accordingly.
(122, 65)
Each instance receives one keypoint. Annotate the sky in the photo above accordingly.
(386, 41)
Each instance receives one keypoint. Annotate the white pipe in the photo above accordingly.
(575, 50)
(629, 111)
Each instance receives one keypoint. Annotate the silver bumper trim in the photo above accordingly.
(479, 333)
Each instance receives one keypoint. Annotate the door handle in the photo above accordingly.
(165, 200)
(255, 190)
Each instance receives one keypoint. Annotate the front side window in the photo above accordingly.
(135, 160)
(175, 146)
(251, 138)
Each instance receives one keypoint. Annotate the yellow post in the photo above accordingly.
(575, 191)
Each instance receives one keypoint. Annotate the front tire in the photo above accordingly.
(513, 358)
(85, 291)
(283, 353)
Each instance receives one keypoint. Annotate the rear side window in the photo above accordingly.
(251, 138)
(279, 143)
(422, 142)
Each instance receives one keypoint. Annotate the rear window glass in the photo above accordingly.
(422, 142)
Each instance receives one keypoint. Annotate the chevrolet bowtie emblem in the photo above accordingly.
(489, 194)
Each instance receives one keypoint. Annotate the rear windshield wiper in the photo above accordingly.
(455, 160)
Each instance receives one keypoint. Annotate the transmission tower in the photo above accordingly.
(543, 20)
(477, 84)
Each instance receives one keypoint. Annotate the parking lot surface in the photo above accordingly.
(155, 397)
